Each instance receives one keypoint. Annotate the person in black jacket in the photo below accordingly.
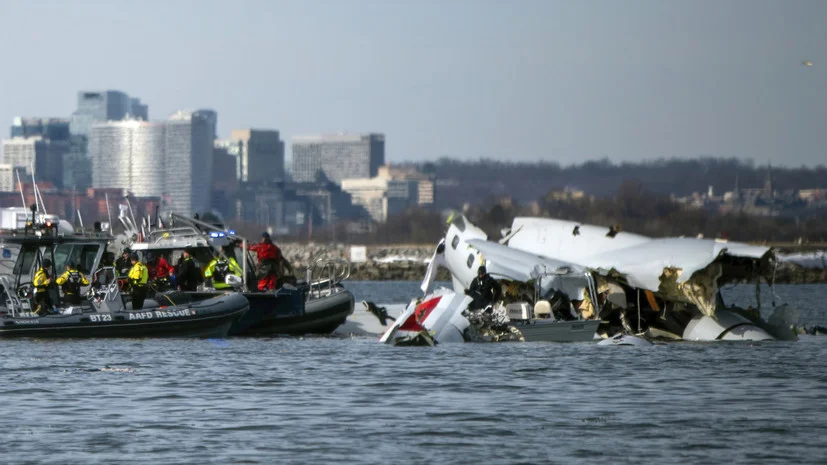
(188, 275)
(484, 289)
(123, 264)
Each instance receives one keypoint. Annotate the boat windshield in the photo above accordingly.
(25, 261)
(83, 255)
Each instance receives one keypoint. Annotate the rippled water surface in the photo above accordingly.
(326, 400)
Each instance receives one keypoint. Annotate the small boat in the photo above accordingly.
(104, 313)
(207, 318)
(316, 305)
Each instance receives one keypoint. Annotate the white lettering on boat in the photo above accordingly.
(161, 314)
(100, 318)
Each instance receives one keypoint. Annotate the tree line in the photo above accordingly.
(460, 182)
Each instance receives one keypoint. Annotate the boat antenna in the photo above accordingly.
(108, 212)
(34, 188)
(131, 213)
(20, 186)
(42, 203)
(80, 217)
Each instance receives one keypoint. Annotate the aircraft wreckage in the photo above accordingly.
(564, 281)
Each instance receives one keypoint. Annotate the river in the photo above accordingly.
(348, 401)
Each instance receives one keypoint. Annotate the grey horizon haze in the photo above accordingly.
(526, 80)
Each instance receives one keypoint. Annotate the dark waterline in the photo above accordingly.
(329, 400)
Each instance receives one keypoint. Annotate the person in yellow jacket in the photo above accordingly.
(220, 267)
(138, 278)
(42, 280)
(71, 281)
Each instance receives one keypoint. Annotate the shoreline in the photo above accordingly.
(409, 263)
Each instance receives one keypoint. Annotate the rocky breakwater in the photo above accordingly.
(379, 263)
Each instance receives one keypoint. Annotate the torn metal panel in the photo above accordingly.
(685, 269)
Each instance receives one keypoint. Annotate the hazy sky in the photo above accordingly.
(514, 80)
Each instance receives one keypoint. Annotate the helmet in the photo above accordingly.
(47, 262)
(71, 264)
(265, 235)
(126, 250)
(134, 256)
(481, 270)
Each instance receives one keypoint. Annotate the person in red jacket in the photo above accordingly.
(269, 256)
(158, 266)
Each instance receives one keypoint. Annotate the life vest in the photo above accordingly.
(220, 270)
(72, 283)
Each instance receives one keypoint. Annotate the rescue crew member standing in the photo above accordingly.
(158, 266)
(71, 281)
(41, 281)
(188, 276)
(123, 264)
(484, 289)
(138, 277)
(269, 257)
(220, 267)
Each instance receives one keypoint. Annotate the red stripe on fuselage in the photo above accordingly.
(414, 322)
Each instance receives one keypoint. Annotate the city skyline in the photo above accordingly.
(549, 81)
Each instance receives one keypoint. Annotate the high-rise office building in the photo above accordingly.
(337, 156)
(95, 107)
(189, 162)
(128, 155)
(8, 181)
(138, 110)
(56, 129)
(42, 155)
(261, 155)
(170, 159)
(55, 142)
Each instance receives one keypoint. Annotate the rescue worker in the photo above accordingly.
(269, 257)
(188, 275)
(159, 271)
(220, 267)
(42, 280)
(484, 289)
(71, 281)
(138, 278)
(124, 263)
(158, 266)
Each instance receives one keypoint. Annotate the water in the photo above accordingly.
(327, 400)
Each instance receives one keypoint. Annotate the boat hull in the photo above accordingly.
(320, 315)
(558, 331)
(208, 318)
(285, 312)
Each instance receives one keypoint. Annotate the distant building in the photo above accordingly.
(189, 163)
(77, 172)
(423, 193)
(381, 196)
(98, 106)
(55, 142)
(42, 155)
(171, 159)
(337, 156)
(8, 183)
(129, 155)
(56, 129)
(260, 155)
(95, 107)
(138, 110)
(225, 183)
